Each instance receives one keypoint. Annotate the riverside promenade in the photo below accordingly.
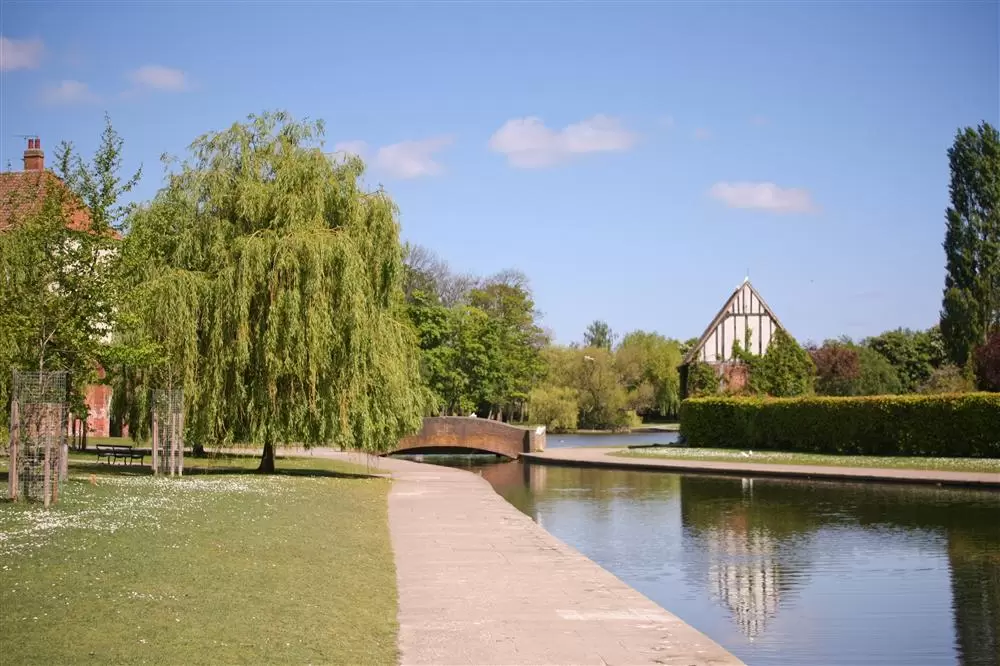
(601, 457)
(481, 583)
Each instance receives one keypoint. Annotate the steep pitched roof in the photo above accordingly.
(693, 352)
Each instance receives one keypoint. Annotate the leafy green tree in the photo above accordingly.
(913, 354)
(591, 374)
(554, 407)
(648, 365)
(599, 335)
(508, 304)
(971, 304)
(482, 356)
(702, 380)
(287, 278)
(785, 369)
(437, 333)
(57, 267)
(877, 376)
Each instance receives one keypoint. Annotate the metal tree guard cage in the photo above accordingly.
(168, 432)
(38, 446)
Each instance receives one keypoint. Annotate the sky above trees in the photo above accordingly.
(633, 160)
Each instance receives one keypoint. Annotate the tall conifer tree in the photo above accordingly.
(971, 307)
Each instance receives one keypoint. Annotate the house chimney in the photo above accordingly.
(34, 158)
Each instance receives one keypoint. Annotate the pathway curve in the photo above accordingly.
(599, 457)
(481, 583)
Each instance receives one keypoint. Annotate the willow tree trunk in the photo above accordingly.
(267, 459)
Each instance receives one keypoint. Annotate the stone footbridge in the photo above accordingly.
(463, 434)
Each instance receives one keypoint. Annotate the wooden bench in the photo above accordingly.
(112, 452)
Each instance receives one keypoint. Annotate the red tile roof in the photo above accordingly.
(22, 192)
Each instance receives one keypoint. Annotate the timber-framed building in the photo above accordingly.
(745, 318)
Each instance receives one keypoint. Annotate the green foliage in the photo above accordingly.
(511, 312)
(948, 379)
(554, 407)
(483, 355)
(702, 380)
(785, 369)
(591, 374)
(272, 284)
(599, 334)
(58, 264)
(878, 376)
(939, 425)
(647, 363)
(971, 302)
(844, 368)
(913, 354)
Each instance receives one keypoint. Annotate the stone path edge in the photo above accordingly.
(599, 457)
(609, 623)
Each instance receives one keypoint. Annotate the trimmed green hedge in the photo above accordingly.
(952, 425)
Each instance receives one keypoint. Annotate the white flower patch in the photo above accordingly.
(139, 505)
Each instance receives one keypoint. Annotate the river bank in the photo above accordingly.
(608, 457)
(481, 583)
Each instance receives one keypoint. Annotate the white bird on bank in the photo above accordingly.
(746, 454)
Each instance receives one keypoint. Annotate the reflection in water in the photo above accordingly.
(788, 571)
(743, 571)
(975, 584)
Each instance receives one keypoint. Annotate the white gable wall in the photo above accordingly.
(744, 311)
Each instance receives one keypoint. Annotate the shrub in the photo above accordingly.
(838, 368)
(702, 380)
(877, 377)
(785, 370)
(948, 379)
(957, 425)
(554, 407)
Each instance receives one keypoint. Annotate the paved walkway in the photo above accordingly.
(481, 583)
(598, 457)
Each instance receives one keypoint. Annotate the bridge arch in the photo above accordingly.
(462, 433)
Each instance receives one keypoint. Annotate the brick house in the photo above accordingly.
(21, 192)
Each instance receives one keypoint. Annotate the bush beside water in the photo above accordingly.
(951, 425)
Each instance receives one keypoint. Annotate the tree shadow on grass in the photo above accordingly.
(194, 469)
(320, 473)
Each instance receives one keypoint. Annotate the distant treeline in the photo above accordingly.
(484, 352)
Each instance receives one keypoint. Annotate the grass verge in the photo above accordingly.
(827, 460)
(220, 566)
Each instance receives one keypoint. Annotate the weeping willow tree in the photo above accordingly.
(269, 285)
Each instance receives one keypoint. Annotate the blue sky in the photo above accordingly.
(634, 160)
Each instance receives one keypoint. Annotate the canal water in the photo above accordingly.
(787, 572)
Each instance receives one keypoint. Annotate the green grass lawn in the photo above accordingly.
(219, 567)
(781, 458)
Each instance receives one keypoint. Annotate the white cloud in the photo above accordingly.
(20, 53)
(157, 77)
(411, 159)
(702, 134)
(69, 92)
(358, 147)
(529, 144)
(764, 196)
